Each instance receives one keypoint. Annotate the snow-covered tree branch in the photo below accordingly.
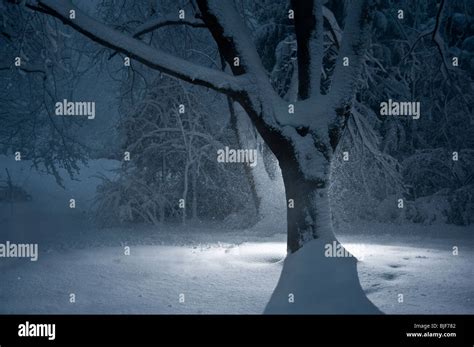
(138, 50)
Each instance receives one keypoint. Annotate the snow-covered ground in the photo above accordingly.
(431, 279)
(218, 271)
(225, 278)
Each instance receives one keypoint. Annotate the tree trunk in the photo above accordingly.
(314, 281)
(308, 210)
(304, 210)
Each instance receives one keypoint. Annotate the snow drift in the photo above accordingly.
(312, 283)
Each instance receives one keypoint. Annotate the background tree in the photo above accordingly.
(172, 144)
(30, 87)
(425, 57)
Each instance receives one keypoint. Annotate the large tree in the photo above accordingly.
(303, 141)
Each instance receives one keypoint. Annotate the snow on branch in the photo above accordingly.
(335, 29)
(233, 37)
(353, 45)
(152, 57)
(238, 49)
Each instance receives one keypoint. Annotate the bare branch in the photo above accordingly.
(435, 36)
(158, 23)
(437, 39)
(22, 68)
(424, 34)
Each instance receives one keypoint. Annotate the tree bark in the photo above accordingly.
(308, 215)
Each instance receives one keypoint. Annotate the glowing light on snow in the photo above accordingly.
(358, 250)
(259, 252)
